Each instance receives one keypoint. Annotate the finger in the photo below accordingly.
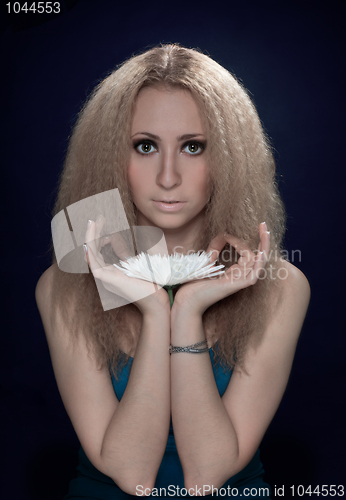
(96, 235)
(218, 243)
(239, 272)
(262, 228)
(88, 233)
(89, 256)
(264, 245)
(100, 222)
(215, 246)
(247, 259)
(240, 246)
(98, 267)
(91, 236)
(120, 246)
(252, 271)
(259, 265)
(92, 260)
(104, 241)
(117, 282)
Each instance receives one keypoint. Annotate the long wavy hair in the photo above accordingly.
(244, 193)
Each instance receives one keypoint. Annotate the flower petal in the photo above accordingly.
(170, 270)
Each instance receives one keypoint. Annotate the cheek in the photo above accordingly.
(136, 181)
(203, 185)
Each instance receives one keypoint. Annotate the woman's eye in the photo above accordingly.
(145, 147)
(193, 148)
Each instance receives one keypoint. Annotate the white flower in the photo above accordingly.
(170, 270)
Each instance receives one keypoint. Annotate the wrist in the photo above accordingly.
(184, 304)
(180, 313)
(160, 314)
(186, 327)
(156, 304)
(156, 330)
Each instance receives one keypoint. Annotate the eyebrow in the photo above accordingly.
(157, 138)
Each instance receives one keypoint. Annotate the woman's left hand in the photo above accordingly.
(196, 296)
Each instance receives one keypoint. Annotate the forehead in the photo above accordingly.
(167, 109)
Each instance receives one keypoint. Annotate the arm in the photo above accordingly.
(222, 435)
(205, 437)
(125, 440)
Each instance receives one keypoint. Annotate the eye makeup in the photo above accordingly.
(194, 144)
(146, 147)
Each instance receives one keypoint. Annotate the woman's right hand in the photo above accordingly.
(147, 296)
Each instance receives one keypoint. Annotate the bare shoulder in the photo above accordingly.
(54, 319)
(290, 310)
(295, 285)
(43, 296)
(44, 287)
(289, 304)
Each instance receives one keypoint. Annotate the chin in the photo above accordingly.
(167, 220)
(174, 223)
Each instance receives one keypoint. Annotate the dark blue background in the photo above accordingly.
(290, 56)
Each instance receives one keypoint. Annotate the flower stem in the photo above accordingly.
(169, 289)
(170, 294)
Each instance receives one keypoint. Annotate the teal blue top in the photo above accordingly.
(91, 484)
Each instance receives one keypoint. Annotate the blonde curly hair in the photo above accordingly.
(244, 193)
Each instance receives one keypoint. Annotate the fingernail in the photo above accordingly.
(85, 249)
(99, 218)
(89, 223)
(264, 224)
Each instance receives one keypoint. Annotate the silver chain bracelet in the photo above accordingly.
(194, 348)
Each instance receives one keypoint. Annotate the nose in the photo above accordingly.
(168, 175)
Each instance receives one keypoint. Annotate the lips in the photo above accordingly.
(168, 201)
(169, 205)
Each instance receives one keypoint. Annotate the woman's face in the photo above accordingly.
(167, 162)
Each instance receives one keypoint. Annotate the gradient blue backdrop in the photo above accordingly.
(290, 56)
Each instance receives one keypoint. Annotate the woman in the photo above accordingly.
(171, 125)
